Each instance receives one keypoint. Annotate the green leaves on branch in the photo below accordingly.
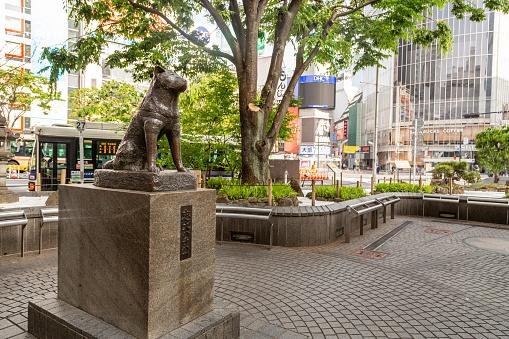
(19, 90)
(114, 101)
(455, 170)
(492, 146)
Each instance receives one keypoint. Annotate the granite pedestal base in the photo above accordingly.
(141, 261)
(54, 318)
(145, 180)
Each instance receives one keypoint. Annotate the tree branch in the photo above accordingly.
(282, 33)
(186, 35)
(237, 23)
(232, 42)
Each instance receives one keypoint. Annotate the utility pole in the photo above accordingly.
(375, 138)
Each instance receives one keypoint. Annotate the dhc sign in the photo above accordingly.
(328, 79)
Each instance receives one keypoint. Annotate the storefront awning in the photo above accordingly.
(402, 164)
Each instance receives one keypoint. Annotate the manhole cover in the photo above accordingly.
(437, 231)
(491, 244)
(371, 254)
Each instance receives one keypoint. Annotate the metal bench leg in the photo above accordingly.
(385, 214)
(270, 236)
(361, 224)
(40, 238)
(23, 240)
(373, 220)
(392, 211)
(222, 232)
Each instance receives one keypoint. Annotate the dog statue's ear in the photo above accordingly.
(158, 69)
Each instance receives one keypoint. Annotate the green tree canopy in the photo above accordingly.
(19, 90)
(113, 101)
(339, 34)
(493, 149)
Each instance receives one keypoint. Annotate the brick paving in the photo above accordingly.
(429, 285)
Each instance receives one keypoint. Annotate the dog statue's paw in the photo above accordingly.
(154, 169)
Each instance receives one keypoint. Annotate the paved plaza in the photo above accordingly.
(428, 281)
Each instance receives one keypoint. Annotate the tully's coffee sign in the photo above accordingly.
(107, 148)
(442, 130)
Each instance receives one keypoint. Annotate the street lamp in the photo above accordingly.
(375, 138)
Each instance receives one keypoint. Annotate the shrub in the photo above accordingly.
(237, 192)
(345, 192)
(218, 182)
(402, 187)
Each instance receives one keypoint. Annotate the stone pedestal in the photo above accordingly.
(141, 261)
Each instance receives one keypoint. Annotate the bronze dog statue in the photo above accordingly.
(158, 114)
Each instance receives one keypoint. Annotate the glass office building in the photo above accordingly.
(446, 97)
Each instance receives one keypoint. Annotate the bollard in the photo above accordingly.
(384, 180)
(337, 190)
(372, 185)
(313, 192)
(420, 180)
(341, 179)
(358, 184)
(390, 180)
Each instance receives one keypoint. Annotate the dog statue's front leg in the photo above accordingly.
(152, 128)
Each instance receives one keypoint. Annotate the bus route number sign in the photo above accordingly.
(80, 125)
(107, 148)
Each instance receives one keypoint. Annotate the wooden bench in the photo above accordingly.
(359, 209)
(15, 218)
(386, 202)
(249, 213)
(47, 215)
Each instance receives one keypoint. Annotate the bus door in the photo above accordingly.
(53, 161)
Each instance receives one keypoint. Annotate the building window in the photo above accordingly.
(28, 29)
(14, 5)
(28, 6)
(14, 50)
(13, 26)
(28, 53)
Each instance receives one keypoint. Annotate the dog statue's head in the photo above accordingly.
(169, 80)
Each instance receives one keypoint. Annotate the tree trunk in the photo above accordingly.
(495, 178)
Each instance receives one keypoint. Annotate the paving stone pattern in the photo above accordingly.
(428, 286)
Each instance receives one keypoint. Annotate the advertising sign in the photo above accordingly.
(350, 149)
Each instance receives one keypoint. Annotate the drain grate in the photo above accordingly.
(383, 239)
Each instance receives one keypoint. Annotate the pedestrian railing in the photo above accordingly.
(388, 201)
(249, 213)
(365, 207)
(491, 202)
(47, 215)
(15, 218)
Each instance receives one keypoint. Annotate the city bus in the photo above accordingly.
(55, 157)
(21, 151)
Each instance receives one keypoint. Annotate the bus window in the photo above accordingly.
(105, 151)
(87, 147)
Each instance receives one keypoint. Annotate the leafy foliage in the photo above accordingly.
(113, 101)
(493, 149)
(338, 34)
(218, 182)
(19, 90)
(328, 192)
(237, 192)
(455, 170)
(402, 187)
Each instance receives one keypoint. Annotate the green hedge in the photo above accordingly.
(345, 192)
(218, 182)
(237, 192)
(402, 187)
